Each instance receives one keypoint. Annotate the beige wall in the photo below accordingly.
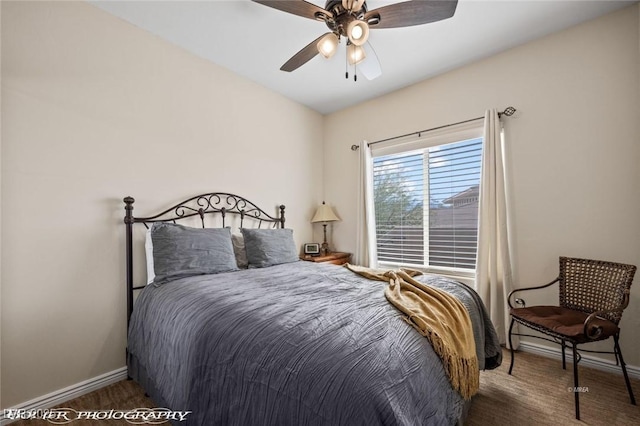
(574, 148)
(95, 109)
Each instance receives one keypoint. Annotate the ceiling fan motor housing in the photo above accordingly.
(342, 17)
(331, 6)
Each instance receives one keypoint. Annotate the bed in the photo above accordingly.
(289, 343)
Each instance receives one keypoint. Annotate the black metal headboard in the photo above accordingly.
(220, 203)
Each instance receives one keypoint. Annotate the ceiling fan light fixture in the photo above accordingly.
(355, 54)
(358, 32)
(328, 45)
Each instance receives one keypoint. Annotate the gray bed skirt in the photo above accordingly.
(138, 371)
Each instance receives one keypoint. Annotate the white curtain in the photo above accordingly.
(493, 266)
(365, 253)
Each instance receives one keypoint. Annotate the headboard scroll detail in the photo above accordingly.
(216, 202)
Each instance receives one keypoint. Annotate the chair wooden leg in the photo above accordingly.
(511, 345)
(575, 381)
(564, 361)
(624, 369)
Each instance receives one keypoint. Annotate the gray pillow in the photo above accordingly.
(180, 251)
(267, 247)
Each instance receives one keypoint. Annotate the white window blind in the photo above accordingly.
(426, 205)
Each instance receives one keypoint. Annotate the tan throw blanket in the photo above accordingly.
(438, 316)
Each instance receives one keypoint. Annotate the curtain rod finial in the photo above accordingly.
(354, 147)
(509, 111)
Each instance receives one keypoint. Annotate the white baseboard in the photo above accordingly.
(63, 395)
(587, 359)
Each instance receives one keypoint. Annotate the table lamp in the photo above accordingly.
(324, 214)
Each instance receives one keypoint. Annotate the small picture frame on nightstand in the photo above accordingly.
(312, 249)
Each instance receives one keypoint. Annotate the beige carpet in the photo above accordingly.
(123, 395)
(536, 394)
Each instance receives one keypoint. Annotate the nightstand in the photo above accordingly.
(336, 258)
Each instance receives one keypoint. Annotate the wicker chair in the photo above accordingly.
(593, 294)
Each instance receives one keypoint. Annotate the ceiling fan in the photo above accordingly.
(352, 20)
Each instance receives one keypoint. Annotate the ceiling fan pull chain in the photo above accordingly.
(355, 71)
(346, 65)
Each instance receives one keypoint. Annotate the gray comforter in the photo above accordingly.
(294, 344)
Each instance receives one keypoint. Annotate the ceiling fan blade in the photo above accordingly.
(303, 56)
(298, 7)
(408, 13)
(370, 67)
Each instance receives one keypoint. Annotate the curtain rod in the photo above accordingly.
(509, 111)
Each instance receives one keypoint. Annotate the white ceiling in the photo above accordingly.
(254, 41)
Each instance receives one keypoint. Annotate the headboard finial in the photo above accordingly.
(281, 215)
(128, 207)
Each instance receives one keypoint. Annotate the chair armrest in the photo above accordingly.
(521, 302)
(593, 331)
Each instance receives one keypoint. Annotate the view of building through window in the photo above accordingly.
(426, 205)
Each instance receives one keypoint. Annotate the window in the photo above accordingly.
(426, 204)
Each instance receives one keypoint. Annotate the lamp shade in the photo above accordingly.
(355, 54)
(358, 32)
(328, 45)
(352, 5)
(324, 214)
